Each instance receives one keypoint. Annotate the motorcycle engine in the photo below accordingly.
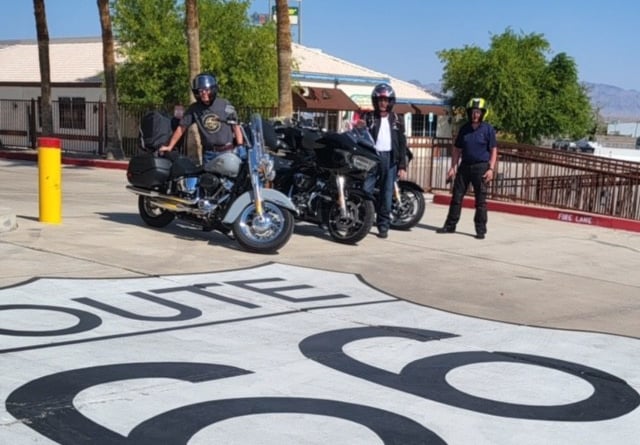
(302, 181)
(211, 189)
(304, 192)
(209, 183)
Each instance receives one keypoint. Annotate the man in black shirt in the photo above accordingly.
(473, 160)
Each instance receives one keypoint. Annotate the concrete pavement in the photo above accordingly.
(528, 270)
(112, 331)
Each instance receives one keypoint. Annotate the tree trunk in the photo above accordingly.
(46, 112)
(193, 40)
(113, 147)
(192, 143)
(283, 42)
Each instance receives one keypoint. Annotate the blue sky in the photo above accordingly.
(401, 37)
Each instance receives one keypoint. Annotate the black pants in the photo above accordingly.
(469, 173)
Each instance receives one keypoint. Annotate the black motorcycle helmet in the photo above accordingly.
(203, 81)
(383, 90)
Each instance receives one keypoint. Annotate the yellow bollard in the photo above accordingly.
(50, 180)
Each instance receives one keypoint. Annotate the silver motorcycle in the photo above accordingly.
(227, 194)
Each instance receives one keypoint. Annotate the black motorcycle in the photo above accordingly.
(316, 169)
(227, 194)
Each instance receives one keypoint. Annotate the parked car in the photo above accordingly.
(564, 144)
(560, 143)
(585, 146)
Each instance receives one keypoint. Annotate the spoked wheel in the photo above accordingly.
(408, 212)
(153, 215)
(355, 224)
(266, 233)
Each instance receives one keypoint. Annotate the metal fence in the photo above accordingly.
(524, 174)
(546, 177)
(80, 125)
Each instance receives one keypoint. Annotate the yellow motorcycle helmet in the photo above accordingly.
(479, 103)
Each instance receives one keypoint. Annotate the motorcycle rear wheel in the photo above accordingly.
(264, 234)
(409, 211)
(357, 222)
(152, 215)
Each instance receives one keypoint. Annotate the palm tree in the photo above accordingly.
(193, 39)
(192, 141)
(114, 140)
(283, 43)
(46, 112)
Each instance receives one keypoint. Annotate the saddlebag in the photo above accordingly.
(148, 171)
(155, 130)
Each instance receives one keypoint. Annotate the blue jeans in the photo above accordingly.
(384, 178)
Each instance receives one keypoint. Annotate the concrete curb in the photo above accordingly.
(569, 216)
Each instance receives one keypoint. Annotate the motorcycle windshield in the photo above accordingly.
(346, 141)
(362, 136)
(257, 135)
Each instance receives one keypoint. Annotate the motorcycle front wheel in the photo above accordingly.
(266, 233)
(153, 215)
(407, 212)
(357, 221)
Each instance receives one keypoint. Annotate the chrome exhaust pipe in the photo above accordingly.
(161, 196)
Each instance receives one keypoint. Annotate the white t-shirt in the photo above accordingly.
(383, 143)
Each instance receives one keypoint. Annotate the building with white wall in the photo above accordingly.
(624, 129)
(76, 78)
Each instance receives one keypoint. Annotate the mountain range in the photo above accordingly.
(613, 103)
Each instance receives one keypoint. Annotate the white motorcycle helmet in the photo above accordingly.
(226, 164)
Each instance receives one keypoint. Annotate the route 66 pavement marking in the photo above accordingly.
(280, 353)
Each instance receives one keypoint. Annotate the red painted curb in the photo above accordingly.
(571, 216)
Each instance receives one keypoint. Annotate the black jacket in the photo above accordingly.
(398, 139)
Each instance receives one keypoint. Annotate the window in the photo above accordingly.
(72, 113)
(420, 125)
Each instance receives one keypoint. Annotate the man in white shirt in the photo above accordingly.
(391, 144)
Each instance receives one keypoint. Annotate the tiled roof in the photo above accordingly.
(312, 60)
(71, 60)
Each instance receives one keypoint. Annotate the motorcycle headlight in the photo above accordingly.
(362, 163)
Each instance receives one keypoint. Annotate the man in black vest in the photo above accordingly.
(214, 116)
(391, 145)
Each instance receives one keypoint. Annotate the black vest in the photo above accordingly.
(212, 122)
